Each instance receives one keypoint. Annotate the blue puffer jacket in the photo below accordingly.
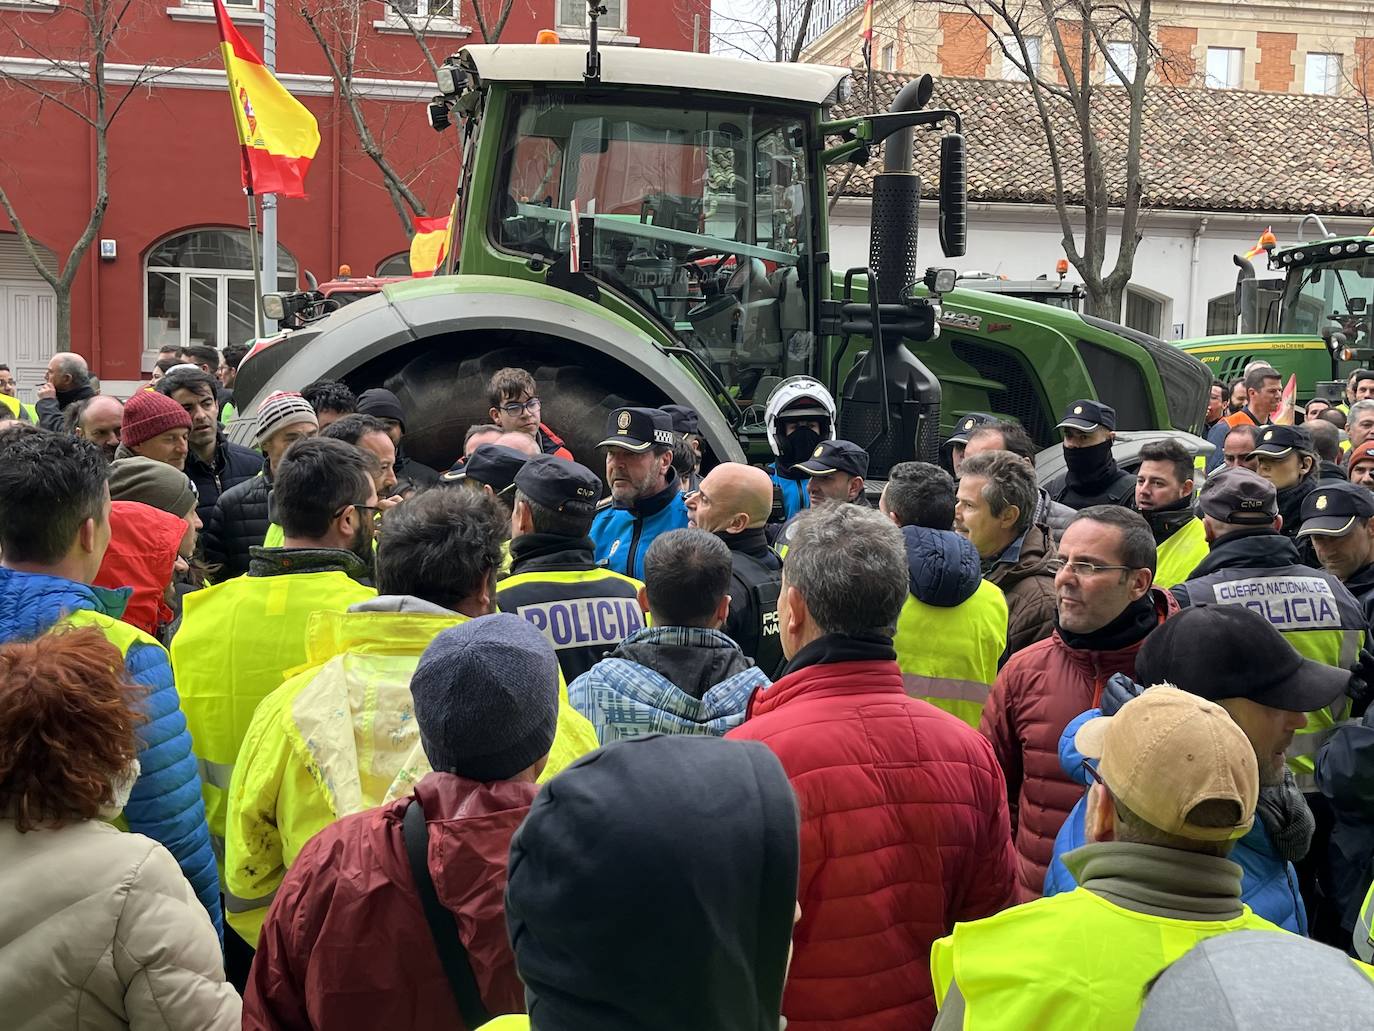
(165, 803)
(1269, 885)
(795, 495)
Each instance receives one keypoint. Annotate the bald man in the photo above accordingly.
(67, 381)
(733, 502)
(98, 421)
(520, 442)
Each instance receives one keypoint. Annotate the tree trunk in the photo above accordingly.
(63, 317)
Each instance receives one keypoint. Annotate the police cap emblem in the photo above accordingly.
(624, 421)
(968, 424)
(1321, 502)
(1078, 410)
(818, 452)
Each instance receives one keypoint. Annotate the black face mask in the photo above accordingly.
(1089, 465)
(797, 446)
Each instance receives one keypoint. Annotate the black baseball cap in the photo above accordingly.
(1333, 509)
(1239, 497)
(1278, 441)
(835, 456)
(967, 425)
(638, 429)
(559, 484)
(1230, 651)
(1088, 415)
(493, 465)
(685, 420)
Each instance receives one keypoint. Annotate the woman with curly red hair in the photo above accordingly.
(99, 928)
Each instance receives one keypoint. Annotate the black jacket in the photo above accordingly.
(237, 523)
(1361, 585)
(1290, 507)
(1118, 488)
(233, 464)
(412, 476)
(50, 409)
(755, 583)
(585, 611)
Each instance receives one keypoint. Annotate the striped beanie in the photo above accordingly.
(281, 409)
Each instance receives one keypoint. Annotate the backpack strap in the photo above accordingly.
(453, 957)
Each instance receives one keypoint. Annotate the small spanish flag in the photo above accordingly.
(277, 135)
(428, 246)
(866, 33)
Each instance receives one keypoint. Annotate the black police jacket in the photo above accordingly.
(755, 584)
(583, 609)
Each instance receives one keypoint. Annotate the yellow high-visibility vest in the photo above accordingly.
(238, 641)
(1065, 963)
(948, 656)
(1183, 552)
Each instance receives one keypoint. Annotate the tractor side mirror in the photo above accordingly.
(953, 195)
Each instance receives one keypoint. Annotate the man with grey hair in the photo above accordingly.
(67, 381)
(994, 509)
(872, 770)
(1360, 423)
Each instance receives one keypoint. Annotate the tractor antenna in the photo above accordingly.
(593, 73)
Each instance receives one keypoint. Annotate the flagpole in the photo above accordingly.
(257, 265)
(269, 200)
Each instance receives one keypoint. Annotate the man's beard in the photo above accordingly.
(361, 545)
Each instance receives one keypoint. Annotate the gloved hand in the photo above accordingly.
(1360, 689)
(1120, 689)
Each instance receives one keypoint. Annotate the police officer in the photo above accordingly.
(1091, 475)
(554, 580)
(1338, 518)
(1284, 456)
(836, 469)
(646, 496)
(952, 450)
(733, 503)
(492, 467)
(799, 415)
(1251, 563)
(686, 446)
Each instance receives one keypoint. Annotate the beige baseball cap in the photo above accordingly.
(1166, 752)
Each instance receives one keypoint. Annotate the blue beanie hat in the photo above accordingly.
(486, 698)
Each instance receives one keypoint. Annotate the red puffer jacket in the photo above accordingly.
(346, 945)
(1037, 693)
(142, 555)
(904, 831)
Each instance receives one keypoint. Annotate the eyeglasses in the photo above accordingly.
(1083, 570)
(360, 508)
(518, 408)
(1093, 775)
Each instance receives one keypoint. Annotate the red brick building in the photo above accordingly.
(173, 240)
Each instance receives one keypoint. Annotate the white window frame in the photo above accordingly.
(1235, 68)
(604, 23)
(428, 24)
(241, 12)
(1012, 47)
(1123, 53)
(1330, 74)
(888, 59)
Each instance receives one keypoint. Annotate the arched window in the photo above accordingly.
(200, 289)
(396, 265)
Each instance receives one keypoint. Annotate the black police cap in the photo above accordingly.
(559, 484)
(493, 465)
(638, 429)
(1334, 509)
(1088, 415)
(835, 456)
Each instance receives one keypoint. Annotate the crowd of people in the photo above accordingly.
(310, 735)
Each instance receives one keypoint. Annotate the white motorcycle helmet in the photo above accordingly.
(798, 397)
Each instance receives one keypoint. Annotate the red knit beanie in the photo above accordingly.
(149, 413)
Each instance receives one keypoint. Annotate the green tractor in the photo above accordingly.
(1312, 319)
(649, 227)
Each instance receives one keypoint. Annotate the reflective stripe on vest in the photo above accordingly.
(1010, 967)
(1181, 554)
(948, 655)
(1364, 929)
(236, 643)
(583, 613)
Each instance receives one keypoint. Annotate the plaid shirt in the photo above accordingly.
(624, 699)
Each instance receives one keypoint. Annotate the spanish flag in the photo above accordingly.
(1265, 241)
(428, 246)
(277, 134)
(865, 33)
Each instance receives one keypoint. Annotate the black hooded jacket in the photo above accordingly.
(1290, 507)
(755, 583)
(653, 885)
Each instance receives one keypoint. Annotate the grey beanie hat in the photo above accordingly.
(486, 697)
(153, 483)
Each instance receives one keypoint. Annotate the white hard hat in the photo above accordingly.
(798, 397)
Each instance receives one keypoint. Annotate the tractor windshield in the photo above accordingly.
(702, 218)
(1339, 294)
